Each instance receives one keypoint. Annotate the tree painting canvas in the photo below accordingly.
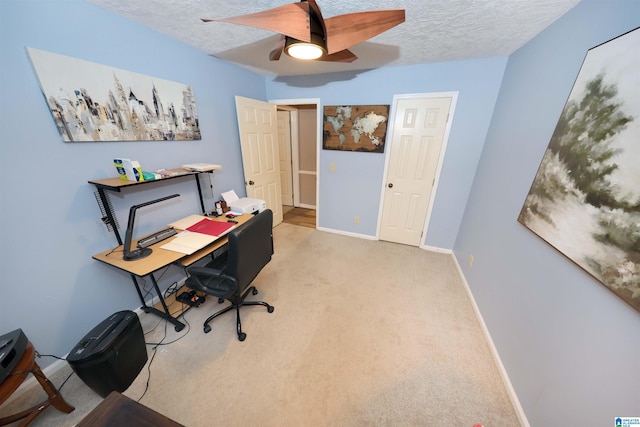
(585, 197)
(94, 102)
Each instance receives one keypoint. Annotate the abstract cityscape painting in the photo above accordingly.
(94, 102)
(585, 197)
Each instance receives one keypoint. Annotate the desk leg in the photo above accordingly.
(164, 314)
(135, 283)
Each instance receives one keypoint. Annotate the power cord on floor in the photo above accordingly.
(38, 355)
(162, 343)
(153, 355)
(65, 381)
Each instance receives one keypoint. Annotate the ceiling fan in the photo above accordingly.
(306, 35)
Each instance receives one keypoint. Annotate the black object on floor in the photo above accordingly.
(190, 298)
(112, 355)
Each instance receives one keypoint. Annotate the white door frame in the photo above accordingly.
(295, 160)
(443, 150)
(306, 101)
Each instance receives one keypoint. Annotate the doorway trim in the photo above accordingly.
(445, 140)
(294, 141)
(308, 101)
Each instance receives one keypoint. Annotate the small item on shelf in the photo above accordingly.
(221, 207)
(201, 167)
(166, 173)
(128, 170)
(150, 176)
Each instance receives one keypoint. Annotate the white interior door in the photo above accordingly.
(284, 142)
(419, 126)
(257, 124)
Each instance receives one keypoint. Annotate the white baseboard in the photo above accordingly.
(368, 237)
(347, 233)
(435, 249)
(494, 351)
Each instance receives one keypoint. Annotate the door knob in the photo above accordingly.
(251, 182)
(390, 185)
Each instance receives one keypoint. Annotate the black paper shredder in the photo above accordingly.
(112, 355)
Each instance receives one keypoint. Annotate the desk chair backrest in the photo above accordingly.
(250, 248)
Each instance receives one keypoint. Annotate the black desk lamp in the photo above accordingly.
(129, 254)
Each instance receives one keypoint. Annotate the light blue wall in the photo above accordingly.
(354, 189)
(569, 345)
(50, 287)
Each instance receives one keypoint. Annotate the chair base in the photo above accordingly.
(236, 303)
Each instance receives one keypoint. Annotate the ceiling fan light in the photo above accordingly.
(305, 50)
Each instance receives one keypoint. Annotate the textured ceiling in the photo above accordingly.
(434, 30)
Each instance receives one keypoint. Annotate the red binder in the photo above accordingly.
(210, 227)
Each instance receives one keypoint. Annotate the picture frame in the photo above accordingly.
(90, 102)
(355, 128)
(585, 198)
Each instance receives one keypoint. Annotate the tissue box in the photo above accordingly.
(128, 170)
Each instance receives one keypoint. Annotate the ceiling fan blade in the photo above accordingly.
(340, 56)
(274, 55)
(291, 20)
(348, 30)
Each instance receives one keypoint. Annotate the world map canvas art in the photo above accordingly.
(94, 102)
(355, 128)
(585, 197)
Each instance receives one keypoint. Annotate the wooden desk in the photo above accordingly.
(25, 366)
(119, 410)
(161, 258)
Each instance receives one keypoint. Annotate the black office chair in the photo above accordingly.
(228, 276)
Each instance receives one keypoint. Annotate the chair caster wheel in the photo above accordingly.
(220, 300)
(254, 291)
(207, 329)
(242, 336)
(270, 309)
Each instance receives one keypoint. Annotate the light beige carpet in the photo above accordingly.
(364, 333)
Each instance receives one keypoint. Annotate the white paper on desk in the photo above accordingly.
(175, 247)
(230, 196)
(184, 223)
(188, 242)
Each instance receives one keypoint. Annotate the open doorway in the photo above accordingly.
(299, 132)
